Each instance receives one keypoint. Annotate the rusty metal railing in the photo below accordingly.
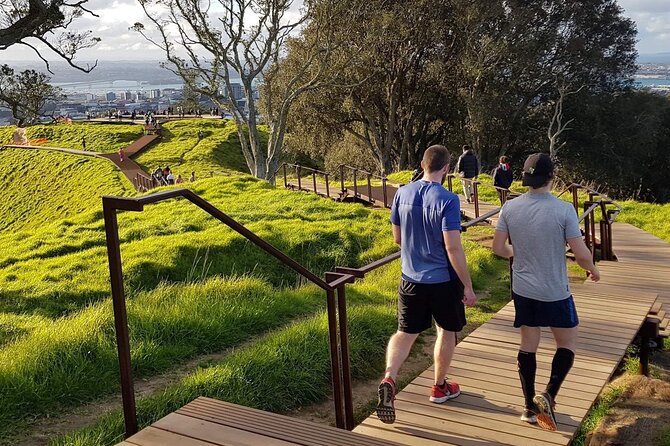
(314, 173)
(333, 285)
(361, 192)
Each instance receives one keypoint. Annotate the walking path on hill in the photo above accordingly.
(128, 167)
(488, 410)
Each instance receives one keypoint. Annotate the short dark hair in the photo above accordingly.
(435, 158)
(466, 147)
(504, 160)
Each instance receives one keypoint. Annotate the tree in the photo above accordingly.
(26, 21)
(389, 97)
(26, 94)
(512, 52)
(208, 49)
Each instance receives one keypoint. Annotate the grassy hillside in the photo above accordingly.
(216, 154)
(102, 138)
(42, 187)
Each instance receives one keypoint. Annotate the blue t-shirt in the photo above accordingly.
(423, 210)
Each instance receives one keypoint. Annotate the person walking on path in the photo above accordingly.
(502, 177)
(539, 225)
(83, 141)
(468, 168)
(122, 155)
(435, 282)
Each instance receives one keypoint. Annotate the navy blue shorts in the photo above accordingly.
(420, 303)
(536, 313)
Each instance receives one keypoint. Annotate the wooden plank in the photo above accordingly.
(157, 437)
(214, 433)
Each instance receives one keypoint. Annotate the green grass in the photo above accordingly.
(602, 407)
(41, 187)
(664, 437)
(102, 138)
(216, 154)
(61, 266)
(73, 359)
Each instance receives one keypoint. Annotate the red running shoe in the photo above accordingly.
(445, 392)
(385, 407)
(545, 414)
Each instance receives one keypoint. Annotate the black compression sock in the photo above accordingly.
(527, 365)
(560, 366)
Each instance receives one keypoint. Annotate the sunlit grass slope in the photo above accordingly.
(216, 153)
(41, 187)
(103, 138)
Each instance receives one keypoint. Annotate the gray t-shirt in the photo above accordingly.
(539, 225)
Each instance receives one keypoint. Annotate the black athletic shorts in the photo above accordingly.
(536, 313)
(420, 303)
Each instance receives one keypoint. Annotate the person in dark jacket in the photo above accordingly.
(502, 177)
(468, 167)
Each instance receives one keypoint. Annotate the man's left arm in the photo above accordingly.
(451, 233)
(456, 254)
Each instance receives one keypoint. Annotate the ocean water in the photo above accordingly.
(647, 82)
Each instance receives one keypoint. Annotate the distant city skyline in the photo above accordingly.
(119, 43)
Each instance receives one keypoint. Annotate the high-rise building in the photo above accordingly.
(237, 90)
(154, 94)
(110, 96)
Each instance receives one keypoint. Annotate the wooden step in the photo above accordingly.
(656, 307)
(658, 316)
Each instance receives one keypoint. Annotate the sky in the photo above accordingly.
(119, 43)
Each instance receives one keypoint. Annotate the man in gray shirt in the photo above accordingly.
(539, 225)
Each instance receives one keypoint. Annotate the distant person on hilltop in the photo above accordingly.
(200, 135)
(170, 178)
(468, 167)
(179, 180)
(502, 177)
(192, 179)
(122, 155)
(83, 141)
(539, 226)
(435, 283)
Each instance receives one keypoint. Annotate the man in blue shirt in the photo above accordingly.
(426, 222)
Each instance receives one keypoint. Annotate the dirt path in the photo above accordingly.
(642, 412)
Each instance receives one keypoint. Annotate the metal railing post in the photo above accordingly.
(334, 358)
(370, 189)
(344, 354)
(285, 176)
(475, 190)
(120, 319)
(604, 252)
(342, 178)
(587, 229)
(327, 186)
(299, 171)
(450, 183)
(575, 197)
(355, 183)
(314, 180)
(384, 192)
